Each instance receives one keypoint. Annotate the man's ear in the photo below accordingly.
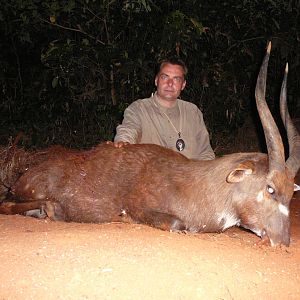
(183, 85)
(240, 172)
(155, 81)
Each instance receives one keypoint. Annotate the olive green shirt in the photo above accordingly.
(145, 122)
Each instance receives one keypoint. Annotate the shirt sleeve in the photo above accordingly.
(130, 129)
(204, 149)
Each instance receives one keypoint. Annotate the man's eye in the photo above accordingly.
(163, 77)
(178, 79)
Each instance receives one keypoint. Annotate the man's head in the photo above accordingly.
(170, 80)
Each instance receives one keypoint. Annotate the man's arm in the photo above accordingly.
(204, 149)
(130, 129)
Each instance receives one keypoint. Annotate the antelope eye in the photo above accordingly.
(270, 190)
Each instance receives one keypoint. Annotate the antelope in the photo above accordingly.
(153, 185)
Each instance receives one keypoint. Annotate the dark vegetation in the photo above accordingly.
(68, 68)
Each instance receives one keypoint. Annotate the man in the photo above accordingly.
(165, 120)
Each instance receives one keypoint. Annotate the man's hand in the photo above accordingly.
(117, 144)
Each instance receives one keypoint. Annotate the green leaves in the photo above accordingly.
(55, 82)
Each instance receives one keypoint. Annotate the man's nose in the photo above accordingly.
(170, 82)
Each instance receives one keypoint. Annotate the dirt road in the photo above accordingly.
(41, 259)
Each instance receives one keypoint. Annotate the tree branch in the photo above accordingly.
(80, 30)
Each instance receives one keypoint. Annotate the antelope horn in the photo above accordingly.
(272, 135)
(293, 162)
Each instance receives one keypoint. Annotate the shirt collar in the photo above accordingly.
(163, 108)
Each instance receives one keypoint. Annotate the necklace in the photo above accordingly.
(180, 144)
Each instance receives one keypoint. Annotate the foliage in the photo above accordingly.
(70, 67)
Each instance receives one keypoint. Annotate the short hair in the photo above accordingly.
(173, 61)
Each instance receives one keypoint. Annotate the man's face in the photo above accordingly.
(170, 82)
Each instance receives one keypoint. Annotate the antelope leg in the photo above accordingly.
(53, 210)
(13, 208)
(160, 220)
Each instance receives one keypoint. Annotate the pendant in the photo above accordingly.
(180, 144)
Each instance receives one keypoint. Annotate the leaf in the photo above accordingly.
(197, 25)
(276, 23)
(85, 42)
(55, 82)
(52, 19)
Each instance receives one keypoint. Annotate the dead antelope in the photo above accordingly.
(156, 186)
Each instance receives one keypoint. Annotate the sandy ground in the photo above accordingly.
(42, 259)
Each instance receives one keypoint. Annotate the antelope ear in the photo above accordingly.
(240, 172)
(296, 187)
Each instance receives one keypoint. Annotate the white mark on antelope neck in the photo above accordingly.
(283, 209)
(260, 196)
(296, 187)
(258, 232)
(227, 220)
